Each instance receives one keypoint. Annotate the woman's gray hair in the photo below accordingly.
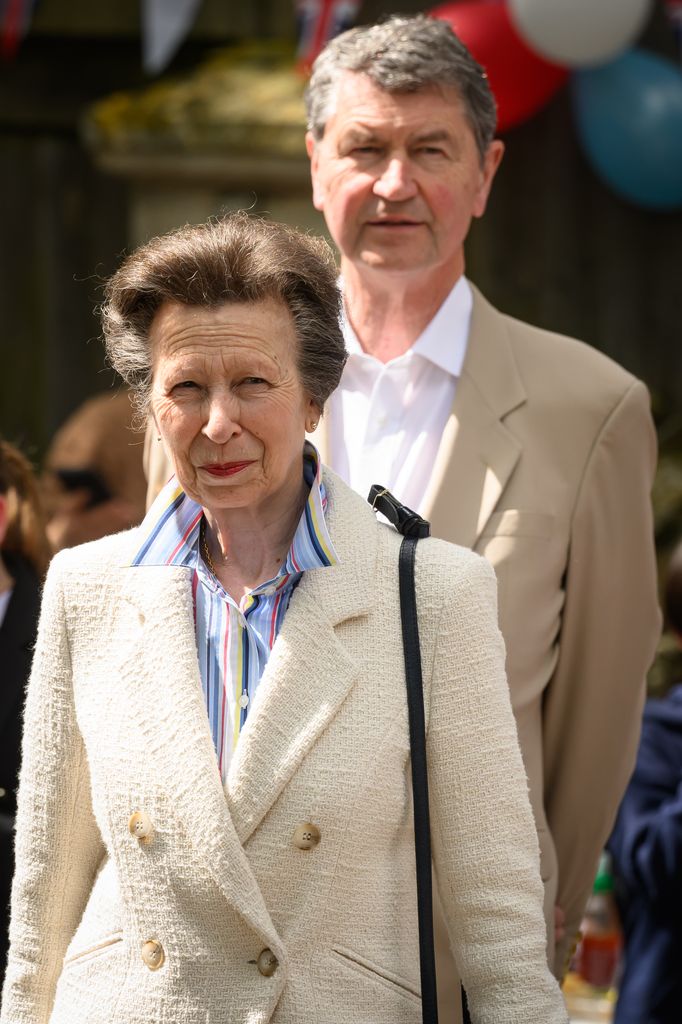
(236, 258)
(403, 54)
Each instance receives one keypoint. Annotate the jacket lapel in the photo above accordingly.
(477, 453)
(172, 703)
(309, 673)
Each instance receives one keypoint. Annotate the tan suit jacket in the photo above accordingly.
(116, 725)
(545, 468)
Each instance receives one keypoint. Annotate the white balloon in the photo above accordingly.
(579, 32)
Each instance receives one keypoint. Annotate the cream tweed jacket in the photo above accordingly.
(217, 885)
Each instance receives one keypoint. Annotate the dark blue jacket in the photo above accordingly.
(646, 846)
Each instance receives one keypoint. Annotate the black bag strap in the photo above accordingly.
(420, 780)
(413, 527)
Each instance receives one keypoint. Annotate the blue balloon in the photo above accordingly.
(629, 120)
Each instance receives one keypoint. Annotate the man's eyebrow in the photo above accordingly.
(437, 135)
(360, 134)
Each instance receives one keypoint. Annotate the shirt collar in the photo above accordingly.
(170, 530)
(444, 339)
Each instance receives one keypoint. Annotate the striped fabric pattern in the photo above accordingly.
(234, 639)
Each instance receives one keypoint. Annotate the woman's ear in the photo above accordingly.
(312, 417)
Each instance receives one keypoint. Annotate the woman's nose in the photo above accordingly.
(222, 418)
(396, 182)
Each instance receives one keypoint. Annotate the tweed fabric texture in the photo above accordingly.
(116, 722)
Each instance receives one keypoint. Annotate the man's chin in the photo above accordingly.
(393, 260)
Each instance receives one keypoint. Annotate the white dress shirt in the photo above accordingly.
(387, 419)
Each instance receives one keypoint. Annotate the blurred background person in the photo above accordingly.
(93, 477)
(646, 846)
(23, 560)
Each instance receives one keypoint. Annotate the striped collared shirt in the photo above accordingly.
(234, 639)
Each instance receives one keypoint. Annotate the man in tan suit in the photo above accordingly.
(533, 449)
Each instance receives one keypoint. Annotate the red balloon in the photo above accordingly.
(521, 80)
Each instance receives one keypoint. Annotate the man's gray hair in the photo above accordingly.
(403, 54)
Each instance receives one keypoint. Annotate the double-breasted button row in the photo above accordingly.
(306, 836)
(267, 963)
(153, 954)
(140, 826)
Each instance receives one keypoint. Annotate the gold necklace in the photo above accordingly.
(207, 553)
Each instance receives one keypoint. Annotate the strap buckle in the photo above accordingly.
(406, 522)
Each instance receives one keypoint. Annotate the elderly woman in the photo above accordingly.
(215, 818)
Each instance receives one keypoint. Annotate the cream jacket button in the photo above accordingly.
(140, 826)
(267, 963)
(306, 836)
(153, 954)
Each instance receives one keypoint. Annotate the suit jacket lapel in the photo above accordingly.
(309, 673)
(477, 453)
(181, 746)
(306, 680)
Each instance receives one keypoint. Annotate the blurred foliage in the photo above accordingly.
(667, 501)
(241, 99)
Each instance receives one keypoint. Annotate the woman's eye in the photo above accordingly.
(184, 384)
(253, 380)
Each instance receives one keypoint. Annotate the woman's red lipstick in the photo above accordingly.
(226, 468)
